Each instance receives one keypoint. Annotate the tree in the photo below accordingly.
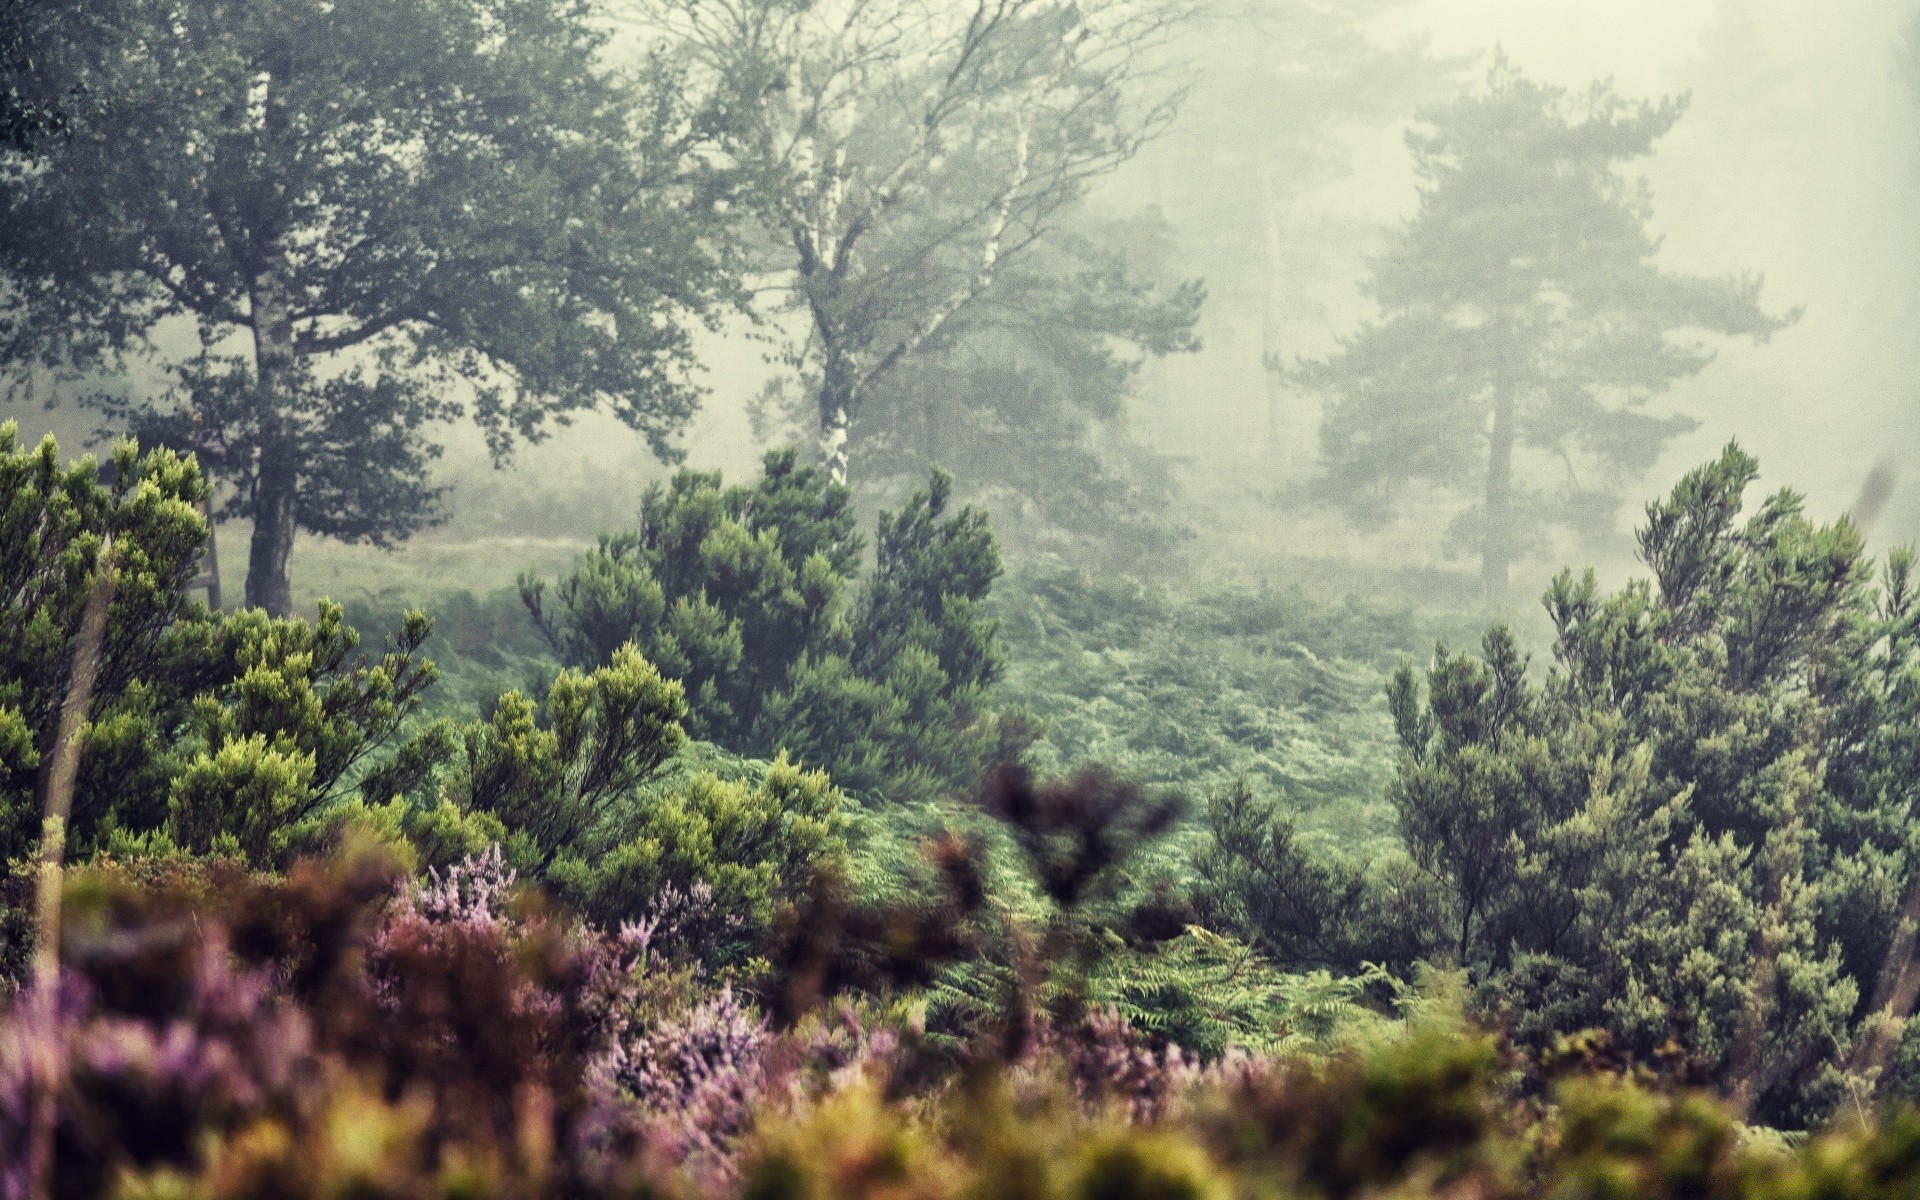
(1323, 77)
(44, 88)
(745, 594)
(900, 703)
(1521, 309)
(1696, 832)
(1259, 881)
(1024, 395)
(910, 151)
(363, 207)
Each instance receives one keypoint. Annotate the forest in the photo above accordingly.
(923, 599)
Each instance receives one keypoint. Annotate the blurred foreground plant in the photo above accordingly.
(336, 1032)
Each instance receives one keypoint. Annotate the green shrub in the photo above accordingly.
(744, 595)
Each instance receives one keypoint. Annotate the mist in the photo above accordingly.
(1796, 160)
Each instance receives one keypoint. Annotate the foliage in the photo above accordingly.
(911, 155)
(42, 93)
(551, 775)
(1694, 832)
(1061, 911)
(722, 588)
(326, 1034)
(589, 794)
(1195, 689)
(228, 731)
(257, 739)
(1258, 879)
(756, 848)
(1521, 309)
(1023, 398)
(742, 591)
(483, 644)
(1210, 994)
(398, 204)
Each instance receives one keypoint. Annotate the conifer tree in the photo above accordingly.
(1521, 313)
(1695, 831)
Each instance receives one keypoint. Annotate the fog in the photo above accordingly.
(881, 597)
(1797, 159)
(1287, 168)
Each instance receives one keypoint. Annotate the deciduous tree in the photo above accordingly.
(910, 151)
(374, 214)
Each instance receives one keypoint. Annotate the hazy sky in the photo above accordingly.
(1637, 42)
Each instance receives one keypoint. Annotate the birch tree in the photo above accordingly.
(910, 150)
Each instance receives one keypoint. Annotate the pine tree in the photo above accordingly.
(744, 594)
(1521, 311)
(1694, 832)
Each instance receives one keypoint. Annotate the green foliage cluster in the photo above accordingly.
(1193, 691)
(588, 794)
(260, 738)
(1693, 832)
(1305, 905)
(390, 204)
(1064, 901)
(226, 733)
(743, 593)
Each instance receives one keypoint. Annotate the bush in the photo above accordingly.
(220, 1034)
(742, 593)
(234, 730)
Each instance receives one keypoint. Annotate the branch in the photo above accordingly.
(989, 260)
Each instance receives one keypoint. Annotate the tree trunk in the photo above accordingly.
(277, 471)
(47, 1056)
(1496, 551)
(1282, 438)
(209, 577)
(836, 418)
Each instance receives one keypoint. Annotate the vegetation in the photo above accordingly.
(742, 593)
(1264, 684)
(408, 210)
(1678, 860)
(1691, 834)
(757, 850)
(917, 152)
(1521, 305)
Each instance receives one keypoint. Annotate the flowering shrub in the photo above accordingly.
(337, 1032)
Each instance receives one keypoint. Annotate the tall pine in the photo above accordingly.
(1523, 319)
